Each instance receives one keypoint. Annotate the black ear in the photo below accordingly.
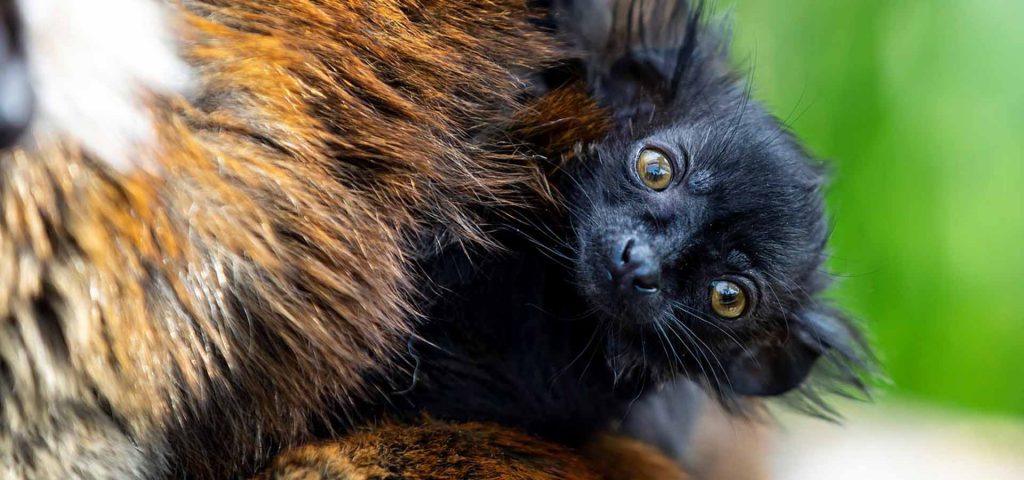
(641, 77)
(642, 53)
(783, 364)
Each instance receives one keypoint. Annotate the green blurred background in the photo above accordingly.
(920, 104)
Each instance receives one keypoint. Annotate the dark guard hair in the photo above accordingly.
(714, 272)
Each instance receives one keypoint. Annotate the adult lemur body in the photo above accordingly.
(209, 227)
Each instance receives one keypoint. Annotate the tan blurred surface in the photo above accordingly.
(730, 448)
(904, 441)
(882, 441)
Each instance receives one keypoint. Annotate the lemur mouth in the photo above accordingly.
(16, 103)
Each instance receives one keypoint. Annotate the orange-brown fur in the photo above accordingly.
(623, 458)
(195, 320)
(444, 451)
(432, 450)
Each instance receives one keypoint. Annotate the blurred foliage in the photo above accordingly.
(920, 104)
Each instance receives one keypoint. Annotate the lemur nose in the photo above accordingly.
(634, 268)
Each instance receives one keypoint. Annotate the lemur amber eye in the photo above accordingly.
(654, 169)
(728, 299)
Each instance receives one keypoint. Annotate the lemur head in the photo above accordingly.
(700, 220)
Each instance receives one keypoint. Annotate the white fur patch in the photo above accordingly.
(91, 62)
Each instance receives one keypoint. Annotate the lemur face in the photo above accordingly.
(707, 232)
(700, 224)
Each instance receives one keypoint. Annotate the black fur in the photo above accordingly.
(540, 339)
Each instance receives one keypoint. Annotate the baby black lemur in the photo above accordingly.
(692, 244)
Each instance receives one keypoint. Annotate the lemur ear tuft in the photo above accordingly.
(782, 365)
